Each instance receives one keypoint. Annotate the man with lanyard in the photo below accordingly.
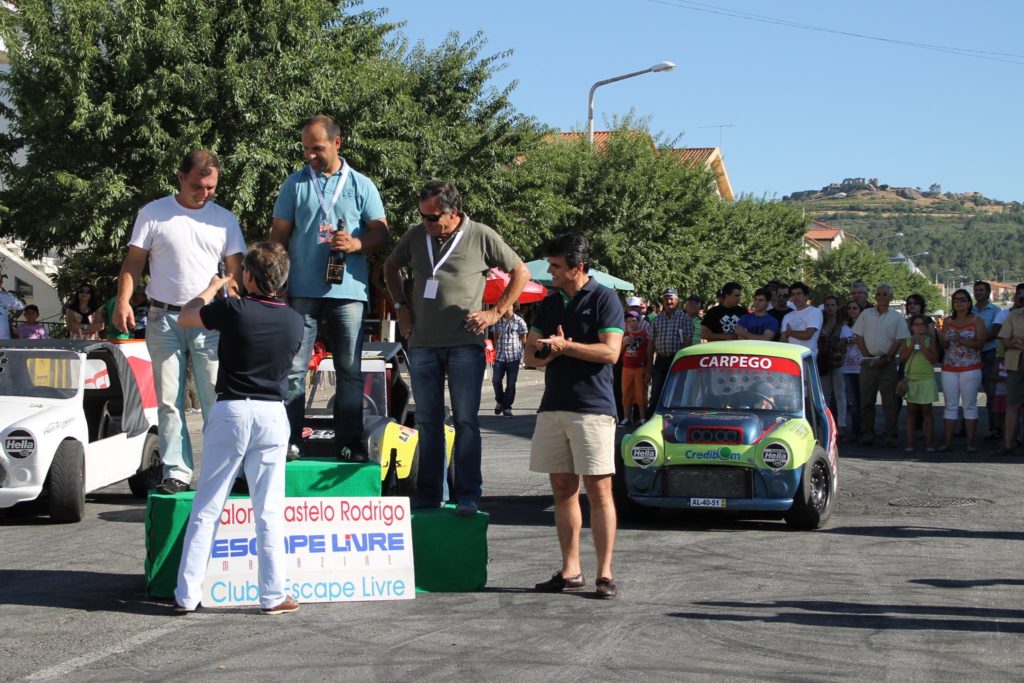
(444, 324)
(184, 238)
(670, 331)
(987, 311)
(576, 334)
(327, 206)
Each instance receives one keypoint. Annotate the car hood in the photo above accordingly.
(725, 428)
(17, 411)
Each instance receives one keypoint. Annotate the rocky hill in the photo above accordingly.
(965, 233)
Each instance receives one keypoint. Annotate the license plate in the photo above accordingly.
(707, 502)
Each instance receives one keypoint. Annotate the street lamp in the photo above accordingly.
(940, 272)
(660, 66)
(923, 253)
(885, 237)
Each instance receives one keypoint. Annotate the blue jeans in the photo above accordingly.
(464, 368)
(852, 403)
(345, 335)
(505, 370)
(168, 343)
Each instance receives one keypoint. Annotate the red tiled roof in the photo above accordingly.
(822, 232)
(694, 155)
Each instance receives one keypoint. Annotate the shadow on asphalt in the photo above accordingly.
(967, 583)
(873, 617)
(923, 532)
(84, 590)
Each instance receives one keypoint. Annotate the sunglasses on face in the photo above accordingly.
(431, 217)
(85, 291)
(960, 300)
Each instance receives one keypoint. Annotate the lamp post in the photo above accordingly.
(885, 237)
(660, 66)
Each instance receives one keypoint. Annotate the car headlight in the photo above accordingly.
(643, 453)
(775, 455)
(19, 444)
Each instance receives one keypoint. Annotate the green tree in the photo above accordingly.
(855, 262)
(651, 219)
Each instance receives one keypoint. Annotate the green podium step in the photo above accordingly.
(449, 552)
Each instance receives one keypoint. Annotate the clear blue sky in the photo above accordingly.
(807, 107)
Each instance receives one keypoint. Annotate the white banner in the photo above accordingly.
(338, 550)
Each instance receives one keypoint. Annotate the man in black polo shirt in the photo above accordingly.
(248, 426)
(577, 334)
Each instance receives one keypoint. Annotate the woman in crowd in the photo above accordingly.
(962, 339)
(918, 354)
(851, 370)
(831, 358)
(80, 315)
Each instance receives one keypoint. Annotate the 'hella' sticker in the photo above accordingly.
(19, 444)
(775, 456)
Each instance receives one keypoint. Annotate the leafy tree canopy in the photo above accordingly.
(855, 262)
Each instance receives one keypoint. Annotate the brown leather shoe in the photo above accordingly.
(606, 589)
(557, 583)
(289, 604)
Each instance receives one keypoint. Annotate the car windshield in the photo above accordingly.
(323, 388)
(39, 374)
(733, 382)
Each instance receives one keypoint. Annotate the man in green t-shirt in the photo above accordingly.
(449, 256)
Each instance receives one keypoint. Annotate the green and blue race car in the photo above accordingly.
(740, 426)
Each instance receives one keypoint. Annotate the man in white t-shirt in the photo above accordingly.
(184, 237)
(802, 325)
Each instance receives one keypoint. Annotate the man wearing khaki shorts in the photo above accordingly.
(576, 334)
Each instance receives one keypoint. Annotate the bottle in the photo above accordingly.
(336, 262)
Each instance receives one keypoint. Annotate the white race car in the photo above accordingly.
(75, 416)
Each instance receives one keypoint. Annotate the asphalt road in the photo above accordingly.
(885, 592)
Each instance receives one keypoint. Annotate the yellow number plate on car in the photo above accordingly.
(707, 502)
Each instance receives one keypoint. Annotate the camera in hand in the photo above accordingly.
(336, 262)
(543, 353)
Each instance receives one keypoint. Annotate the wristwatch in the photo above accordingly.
(400, 305)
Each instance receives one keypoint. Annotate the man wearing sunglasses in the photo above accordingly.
(326, 207)
(449, 256)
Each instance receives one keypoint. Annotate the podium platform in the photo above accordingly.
(449, 552)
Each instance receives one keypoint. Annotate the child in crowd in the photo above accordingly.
(31, 328)
(918, 354)
(635, 368)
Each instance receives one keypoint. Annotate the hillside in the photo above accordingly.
(967, 236)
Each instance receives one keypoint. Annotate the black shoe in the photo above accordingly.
(171, 486)
(348, 454)
(557, 583)
(497, 408)
(508, 412)
(293, 453)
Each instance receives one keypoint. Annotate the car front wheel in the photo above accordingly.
(67, 483)
(813, 503)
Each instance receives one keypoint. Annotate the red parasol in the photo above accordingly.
(497, 281)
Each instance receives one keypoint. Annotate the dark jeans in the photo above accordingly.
(507, 370)
(852, 403)
(464, 368)
(344, 332)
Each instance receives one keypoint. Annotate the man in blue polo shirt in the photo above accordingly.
(327, 206)
(576, 334)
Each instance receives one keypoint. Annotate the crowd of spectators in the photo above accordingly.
(867, 352)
